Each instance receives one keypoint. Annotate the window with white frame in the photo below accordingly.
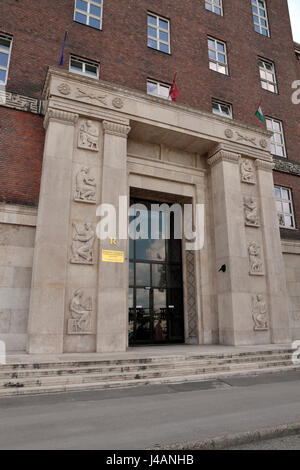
(260, 17)
(158, 89)
(215, 6)
(267, 75)
(222, 109)
(277, 139)
(84, 67)
(158, 33)
(5, 51)
(89, 12)
(284, 206)
(217, 56)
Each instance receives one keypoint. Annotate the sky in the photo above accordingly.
(294, 6)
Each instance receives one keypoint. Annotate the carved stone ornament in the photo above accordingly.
(263, 143)
(251, 212)
(246, 138)
(117, 103)
(88, 137)
(228, 133)
(247, 172)
(82, 244)
(255, 260)
(80, 322)
(64, 89)
(259, 313)
(85, 187)
(91, 96)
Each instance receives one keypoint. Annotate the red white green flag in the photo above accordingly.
(259, 112)
(174, 93)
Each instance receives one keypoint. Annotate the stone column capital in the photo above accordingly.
(264, 165)
(60, 116)
(114, 128)
(223, 156)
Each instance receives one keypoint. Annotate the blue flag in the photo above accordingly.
(61, 59)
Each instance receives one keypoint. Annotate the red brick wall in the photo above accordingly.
(21, 150)
(292, 182)
(121, 48)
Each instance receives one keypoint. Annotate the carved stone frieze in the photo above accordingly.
(19, 102)
(118, 103)
(256, 267)
(259, 313)
(80, 306)
(91, 96)
(287, 167)
(251, 212)
(85, 187)
(88, 137)
(58, 115)
(191, 295)
(223, 155)
(247, 171)
(82, 244)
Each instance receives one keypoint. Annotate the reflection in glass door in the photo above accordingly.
(155, 287)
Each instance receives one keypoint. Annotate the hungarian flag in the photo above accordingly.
(259, 112)
(61, 59)
(174, 93)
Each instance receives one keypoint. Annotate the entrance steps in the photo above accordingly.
(28, 377)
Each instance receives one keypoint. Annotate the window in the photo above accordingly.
(158, 89)
(84, 67)
(215, 6)
(260, 18)
(217, 56)
(284, 206)
(267, 75)
(222, 109)
(277, 139)
(89, 12)
(158, 33)
(5, 50)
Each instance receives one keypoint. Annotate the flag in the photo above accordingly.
(174, 93)
(61, 59)
(259, 112)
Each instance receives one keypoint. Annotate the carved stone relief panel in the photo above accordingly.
(80, 307)
(260, 313)
(85, 189)
(82, 244)
(191, 294)
(255, 260)
(247, 171)
(88, 137)
(251, 212)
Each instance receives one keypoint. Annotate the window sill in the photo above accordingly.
(88, 26)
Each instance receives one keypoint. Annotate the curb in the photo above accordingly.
(231, 440)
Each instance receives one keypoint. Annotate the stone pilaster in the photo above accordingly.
(274, 266)
(47, 302)
(230, 246)
(112, 321)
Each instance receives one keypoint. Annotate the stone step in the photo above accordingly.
(112, 377)
(138, 382)
(142, 360)
(20, 374)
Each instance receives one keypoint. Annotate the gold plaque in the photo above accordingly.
(113, 256)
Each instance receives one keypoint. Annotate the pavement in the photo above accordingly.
(152, 417)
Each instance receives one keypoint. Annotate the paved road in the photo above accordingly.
(147, 416)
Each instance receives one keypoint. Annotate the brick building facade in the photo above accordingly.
(121, 51)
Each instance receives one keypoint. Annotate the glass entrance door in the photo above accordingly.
(155, 287)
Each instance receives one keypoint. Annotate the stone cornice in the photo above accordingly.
(18, 215)
(263, 165)
(224, 156)
(58, 115)
(115, 128)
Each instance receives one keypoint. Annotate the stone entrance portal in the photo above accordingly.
(104, 141)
